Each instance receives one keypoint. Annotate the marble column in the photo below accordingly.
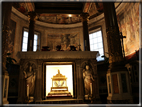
(117, 74)
(38, 96)
(113, 36)
(32, 16)
(6, 16)
(84, 18)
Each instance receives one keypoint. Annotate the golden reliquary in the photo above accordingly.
(59, 86)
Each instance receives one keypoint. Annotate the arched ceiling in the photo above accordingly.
(60, 12)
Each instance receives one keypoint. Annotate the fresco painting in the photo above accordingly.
(128, 23)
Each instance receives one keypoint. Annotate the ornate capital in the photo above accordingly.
(84, 17)
(32, 16)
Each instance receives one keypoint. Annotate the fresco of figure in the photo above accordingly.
(30, 80)
(88, 79)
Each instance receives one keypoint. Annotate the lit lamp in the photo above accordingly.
(70, 15)
(27, 91)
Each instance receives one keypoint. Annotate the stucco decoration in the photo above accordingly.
(128, 23)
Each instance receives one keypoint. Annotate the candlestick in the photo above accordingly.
(91, 88)
(85, 43)
(38, 41)
(27, 90)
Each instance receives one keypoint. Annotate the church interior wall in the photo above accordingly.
(128, 22)
(44, 32)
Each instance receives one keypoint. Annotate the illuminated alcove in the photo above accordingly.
(52, 70)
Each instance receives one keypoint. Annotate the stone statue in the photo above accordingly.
(88, 79)
(30, 80)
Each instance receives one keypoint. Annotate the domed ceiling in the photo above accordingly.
(61, 12)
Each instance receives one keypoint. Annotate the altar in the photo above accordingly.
(40, 59)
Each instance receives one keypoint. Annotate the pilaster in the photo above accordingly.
(38, 88)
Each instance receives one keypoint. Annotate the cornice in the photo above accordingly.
(119, 9)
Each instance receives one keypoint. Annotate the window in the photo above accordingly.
(35, 42)
(25, 40)
(96, 44)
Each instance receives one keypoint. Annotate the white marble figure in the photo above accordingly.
(30, 80)
(88, 79)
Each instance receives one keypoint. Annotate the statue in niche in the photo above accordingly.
(88, 80)
(30, 80)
